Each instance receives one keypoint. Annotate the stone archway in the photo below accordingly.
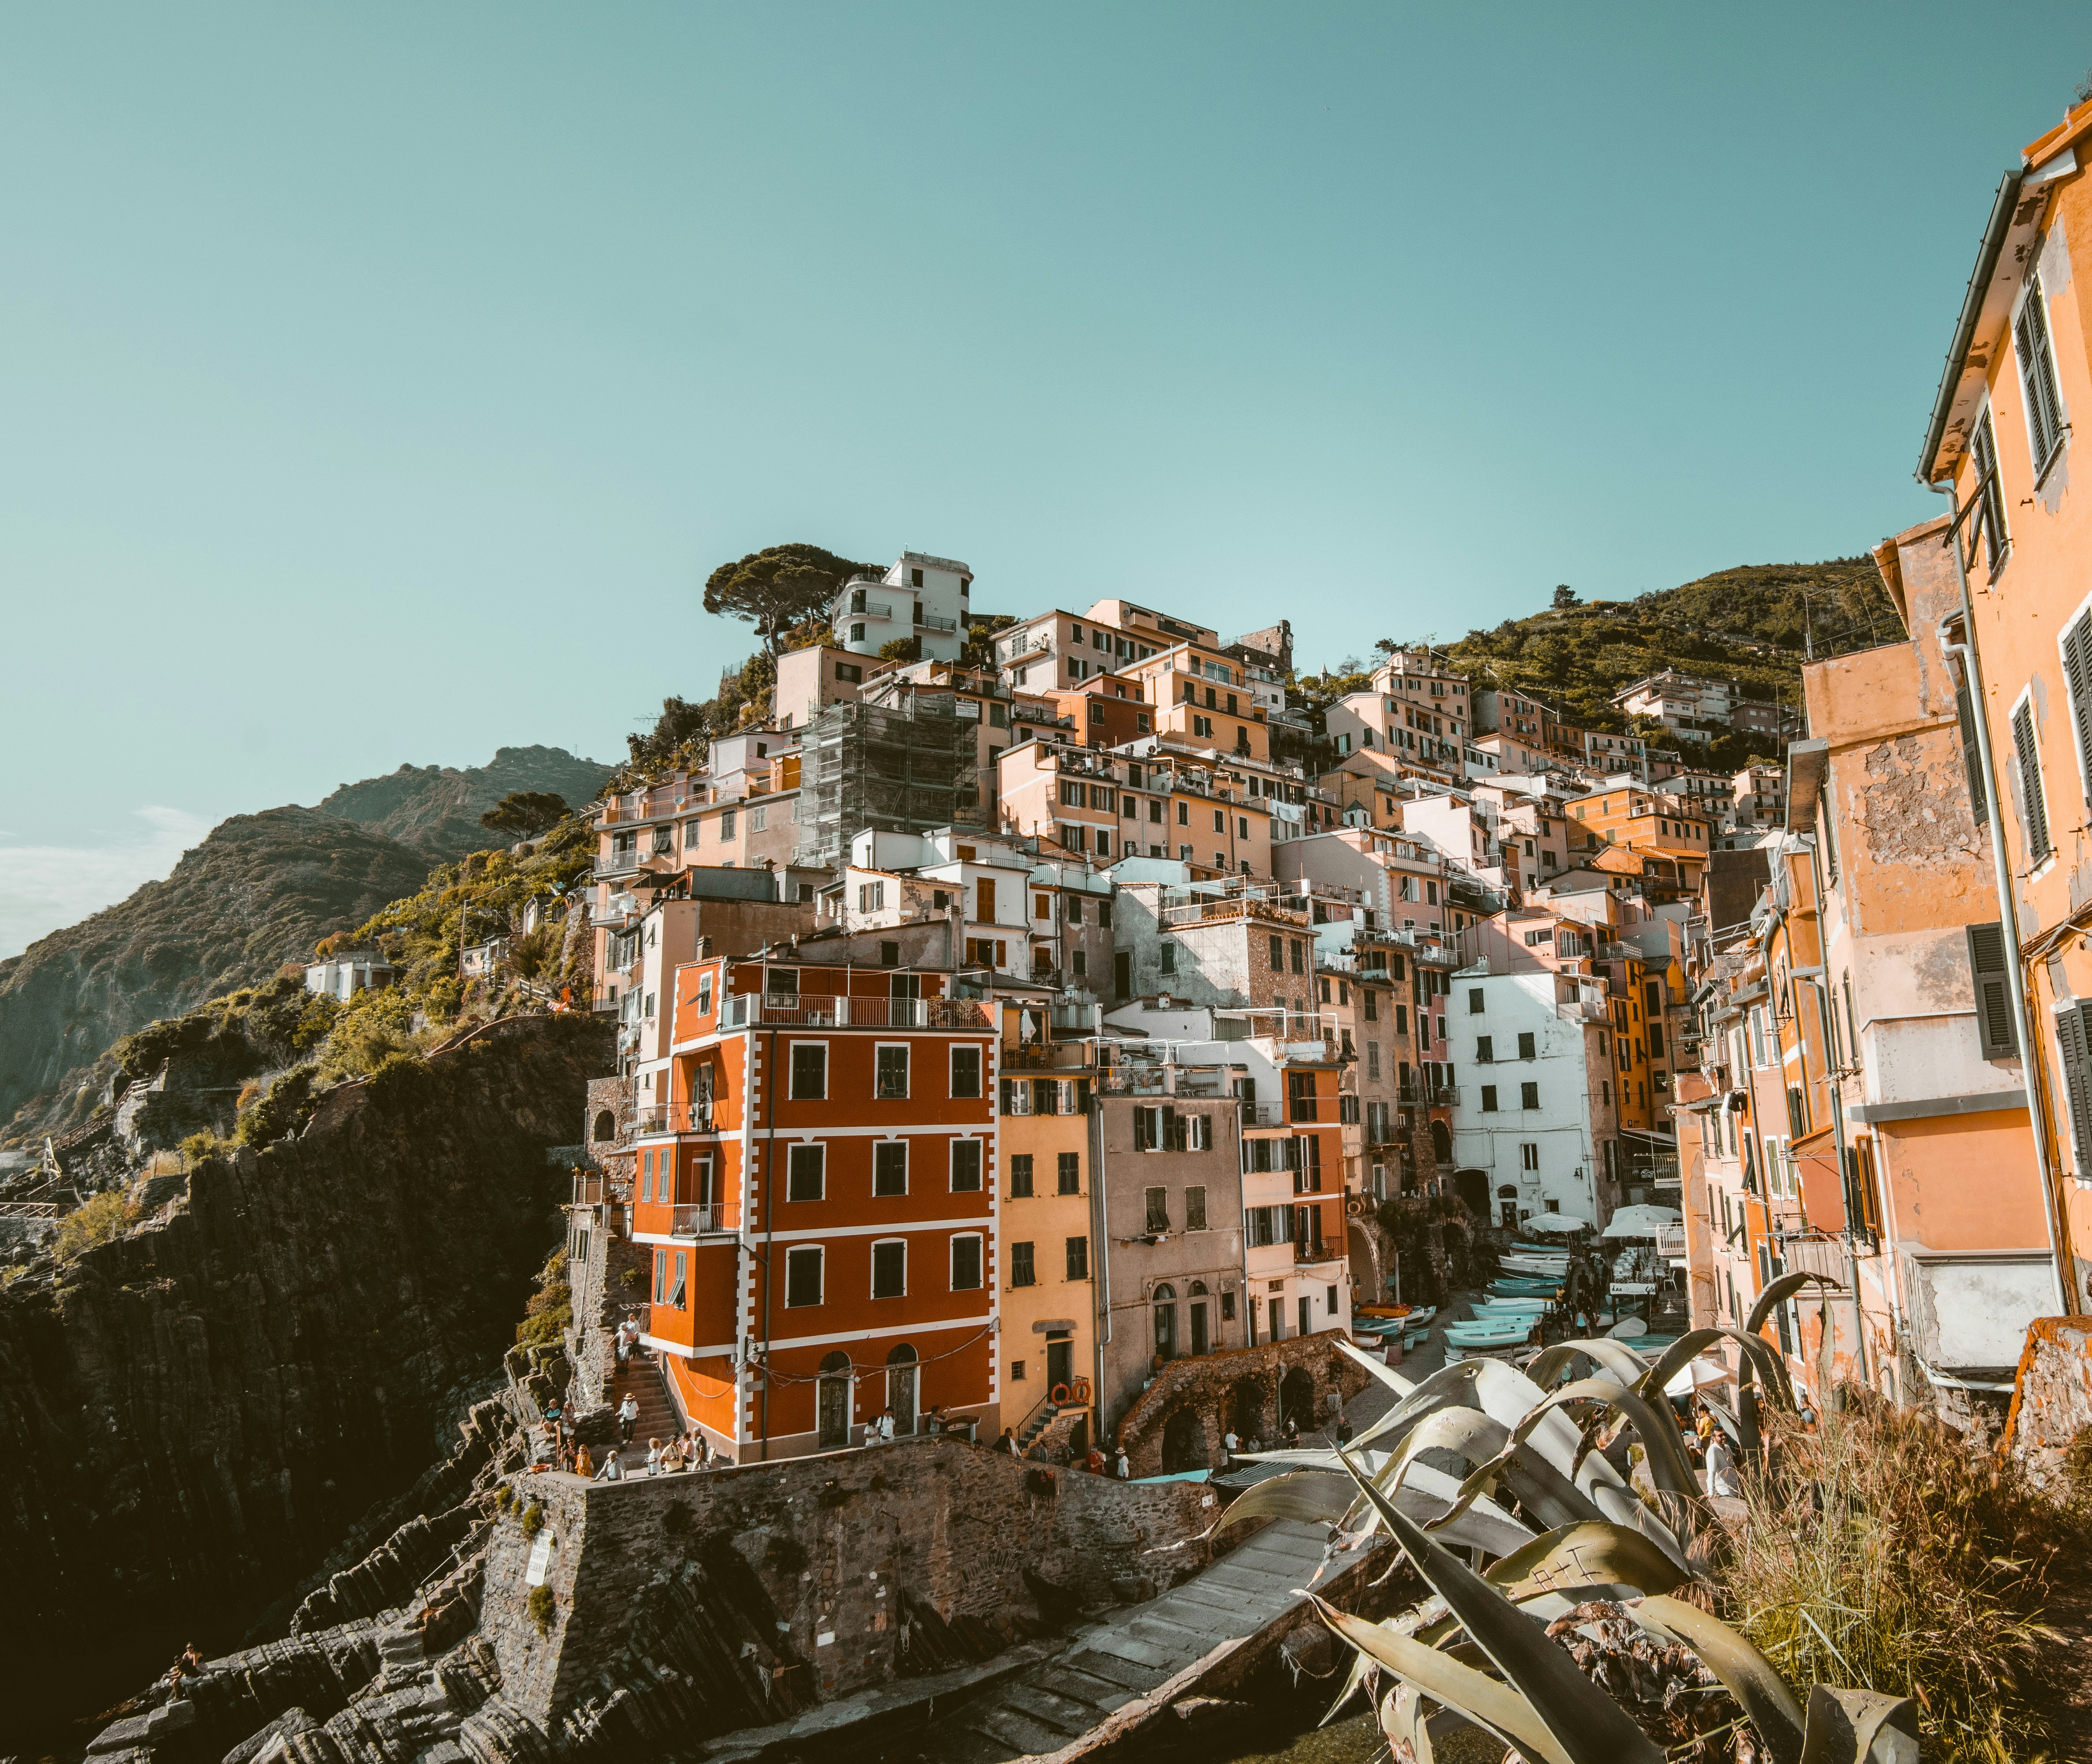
(1246, 1408)
(1442, 1142)
(1472, 1187)
(1369, 1284)
(1183, 1440)
(1296, 1400)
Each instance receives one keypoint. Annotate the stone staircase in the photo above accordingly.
(643, 1377)
(1049, 1706)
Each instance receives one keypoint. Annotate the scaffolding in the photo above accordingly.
(908, 770)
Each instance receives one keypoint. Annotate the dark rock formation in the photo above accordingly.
(195, 1414)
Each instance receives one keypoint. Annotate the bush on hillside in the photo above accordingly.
(97, 1220)
(283, 1109)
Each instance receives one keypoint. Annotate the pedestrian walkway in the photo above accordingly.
(1049, 1704)
(641, 1377)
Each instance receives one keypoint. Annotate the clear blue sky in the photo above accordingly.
(379, 384)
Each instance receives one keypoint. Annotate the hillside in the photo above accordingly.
(259, 892)
(1748, 624)
(436, 809)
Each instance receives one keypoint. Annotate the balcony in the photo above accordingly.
(1670, 1242)
(1302, 1108)
(702, 1221)
(1307, 1251)
(1583, 1010)
(1263, 1114)
(618, 863)
(1047, 1057)
(930, 621)
(749, 1011)
(862, 608)
(673, 1118)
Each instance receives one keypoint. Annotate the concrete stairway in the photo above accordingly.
(1048, 1705)
(643, 1378)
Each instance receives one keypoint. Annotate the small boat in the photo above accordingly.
(1512, 1307)
(1524, 1289)
(1515, 1336)
(1391, 1310)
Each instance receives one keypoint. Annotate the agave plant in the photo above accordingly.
(1573, 1645)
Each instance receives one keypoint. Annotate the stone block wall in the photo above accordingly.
(1179, 1421)
(804, 1565)
(2051, 1395)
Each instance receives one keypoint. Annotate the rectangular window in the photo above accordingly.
(1169, 958)
(889, 1167)
(1078, 1258)
(2076, 647)
(1485, 1050)
(1070, 1172)
(1528, 1155)
(1489, 1099)
(966, 1166)
(1525, 1046)
(1195, 1209)
(2034, 805)
(810, 1071)
(966, 1263)
(1989, 522)
(1528, 1095)
(660, 1276)
(966, 1069)
(803, 1276)
(892, 1070)
(889, 1269)
(1020, 1174)
(806, 1177)
(1020, 1271)
(1474, 1003)
(2037, 360)
(1158, 1209)
(1299, 956)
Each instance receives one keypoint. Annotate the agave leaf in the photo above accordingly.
(1500, 1708)
(1313, 1495)
(1582, 1725)
(1757, 1349)
(1428, 1496)
(1781, 1289)
(1380, 1368)
(1580, 1555)
(1603, 1353)
(1402, 1720)
(1544, 1492)
(1747, 1674)
(1858, 1726)
(1667, 1463)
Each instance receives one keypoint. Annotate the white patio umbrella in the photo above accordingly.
(1704, 1370)
(1557, 1223)
(1642, 1221)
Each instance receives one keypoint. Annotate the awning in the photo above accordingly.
(1557, 1223)
(1705, 1370)
(1642, 1220)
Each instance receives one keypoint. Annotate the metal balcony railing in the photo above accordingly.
(931, 621)
(674, 1118)
(699, 1220)
(1670, 1241)
(1262, 1115)
(1302, 1108)
(868, 609)
(745, 1010)
(1305, 1250)
(618, 863)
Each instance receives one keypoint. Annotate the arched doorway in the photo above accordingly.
(1183, 1441)
(1442, 1142)
(1472, 1187)
(1200, 1342)
(1246, 1408)
(901, 1373)
(832, 1392)
(1166, 1322)
(606, 1127)
(1296, 1399)
(1507, 1205)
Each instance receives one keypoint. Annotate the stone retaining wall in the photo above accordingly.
(1191, 1403)
(2051, 1395)
(803, 1566)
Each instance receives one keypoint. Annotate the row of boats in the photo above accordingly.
(1528, 1285)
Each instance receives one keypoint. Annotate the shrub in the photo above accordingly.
(504, 1498)
(199, 1145)
(541, 1609)
(534, 1520)
(1885, 1552)
(281, 1111)
(397, 1076)
(97, 1221)
(315, 1023)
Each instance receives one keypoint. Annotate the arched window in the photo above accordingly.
(1198, 1289)
(606, 1127)
(1509, 1191)
(831, 1392)
(1166, 1322)
(837, 1362)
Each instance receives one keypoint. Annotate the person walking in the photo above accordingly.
(1232, 1444)
(1125, 1471)
(1721, 1468)
(886, 1427)
(1094, 1463)
(627, 1418)
(1007, 1444)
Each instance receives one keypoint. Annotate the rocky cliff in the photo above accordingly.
(194, 1414)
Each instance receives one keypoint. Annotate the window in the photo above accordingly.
(1021, 1272)
(889, 1167)
(893, 1068)
(2037, 360)
(1103, 909)
(1994, 1009)
(1990, 526)
(2073, 1035)
(1158, 1209)
(966, 1166)
(1474, 1003)
(889, 1269)
(806, 1177)
(1020, 1176)
(803, 1276)
(810, 1071)
(1078, 1258)
(1972, 752)
(1528, 1155)
(1169, 958)
(2033, 806)
(1299, 956)
(1525, 1046)
(966, 1263)
(1371, 1004)
(853, 672)
(1219, 821)
(1183, 814)
(1485, 1050)
(1489, 1099)
(1528, 1095)
(1070, 1172)
(966, 1069)
(1195, 1209)
(726, 825)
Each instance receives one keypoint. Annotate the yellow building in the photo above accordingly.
(1049, 1252)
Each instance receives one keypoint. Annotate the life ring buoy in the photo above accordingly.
(1081, 1390)
(1058, 1394)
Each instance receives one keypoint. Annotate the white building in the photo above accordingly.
(920, 596)
(1534, 1114)
(350, 972)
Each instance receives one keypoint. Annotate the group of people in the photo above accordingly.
(626, 1339)
(1098, 1464)
(557, 1448)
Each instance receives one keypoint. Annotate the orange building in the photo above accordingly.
(820, 1198)
(1651, 823)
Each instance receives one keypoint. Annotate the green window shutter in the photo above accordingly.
(1972, 752)
(2073, 1035)
(2038, 374)
(1994, 1001)
(2033, 809)
(2078, 677)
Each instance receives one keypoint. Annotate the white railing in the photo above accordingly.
(699, 1220)
(822, 1010)
(1670, 1242)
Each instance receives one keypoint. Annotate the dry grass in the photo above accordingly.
(1887, 1553)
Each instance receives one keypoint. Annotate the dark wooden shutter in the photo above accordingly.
(2077, 676)
(1972, 752)
(1994, 1000)
(2033, 810)
(2073, 1035)
(2038, 374)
